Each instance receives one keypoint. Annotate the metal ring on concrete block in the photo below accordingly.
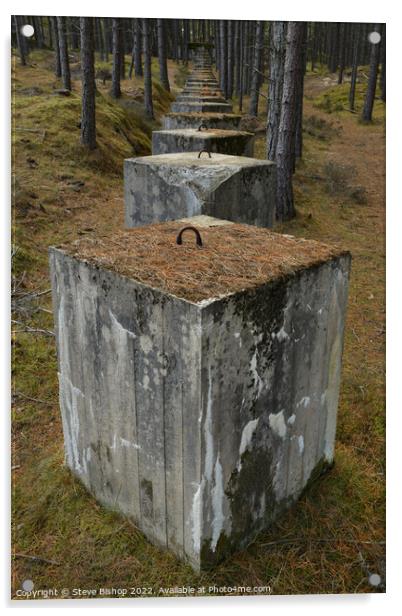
(203, 125)
(206, 151)
(179, 239)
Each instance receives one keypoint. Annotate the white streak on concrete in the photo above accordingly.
(292, 419)
(277, 423)
(120, 327)
(305, 401)
(247, 435)
(253, 369)
(209, 444)
(301, 443)
(218, 495)
(196, 517)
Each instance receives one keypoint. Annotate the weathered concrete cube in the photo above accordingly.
(226, 121)
(199, 106)
(199, 384)
(170, 186)
(233, 142)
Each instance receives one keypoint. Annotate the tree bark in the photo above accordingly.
(138, 72)
(162, 55)
(372, 82)
(286, 134)
(299, 99)
(256, 76)
(230, 39)
(20, 44)
(64, 60)
(116, 69)
(356, 45)
(223, 57)
(56, 47)
(383, 63)
(88, 126)
(149, 110)
(276, 69)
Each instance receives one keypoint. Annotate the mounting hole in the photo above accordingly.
(374, 38)
(374, 579)
(28, 585)
(27, 30)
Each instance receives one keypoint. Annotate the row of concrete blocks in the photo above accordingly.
(202, 409)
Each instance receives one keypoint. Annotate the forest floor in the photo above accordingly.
(334, 538)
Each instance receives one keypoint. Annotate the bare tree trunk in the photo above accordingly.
(162, 55)
(57, 66)
(342, 39)
(383, 63)
(116, 70)
(299, 99)
(256, 76)
(64, 60)
(88, 127)
(241, 62)
(149, 110)
(237, 54)
(38, 32)
(372, 82)
(230, 30)
(276, 69)
(285, 147)
(20, 44)
(223, 57)
(138, 47)
(356, 44)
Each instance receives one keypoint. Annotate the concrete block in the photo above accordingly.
(199, 106)
(238, 143)
(170, 186)
(199, 385)
(228, 121)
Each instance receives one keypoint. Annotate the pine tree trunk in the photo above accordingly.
(383, 63)
(149, 110)
(138, 47)
(285, 147)
(276, 69)
(223, 57)
(372, 82)
(38, 32)
(255, 78)
(88, 128)
(64, 60)
(299, 99)
(342, 37)
(116, 69)
(162, 55)
(241, 65)
(237, 63)
(57, 66)
(230, 29)
(122, 50)
(20, 44)
(356, 45)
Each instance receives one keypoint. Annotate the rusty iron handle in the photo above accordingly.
(203, 125)
(206, 151)
(179, 239)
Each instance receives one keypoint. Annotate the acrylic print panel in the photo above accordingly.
(101, 447)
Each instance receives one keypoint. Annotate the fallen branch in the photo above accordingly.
(36, 559)
(18, 394)
(307, 540)
(30, 330)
